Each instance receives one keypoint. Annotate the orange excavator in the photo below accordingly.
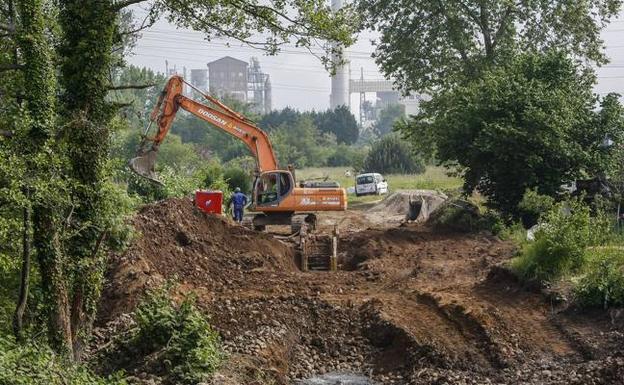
(276, 199)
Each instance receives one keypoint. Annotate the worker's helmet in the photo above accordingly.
(237, 189)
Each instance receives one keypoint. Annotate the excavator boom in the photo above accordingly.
(235, 124)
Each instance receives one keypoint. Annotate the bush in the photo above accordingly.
(349, 156)
(235, 177)
(560, 242)
(602, 283)
(393, 155)
(532, 206)
(186, 345)
(36, 364)
(464, 217)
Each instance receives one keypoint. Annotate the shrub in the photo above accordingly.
(393, 155)
(236, 177)
(349, 156)
(560, 242)
(186, 343)
(602, 283)
(36, 364)
(532, 206)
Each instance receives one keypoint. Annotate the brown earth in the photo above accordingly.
(410, 306)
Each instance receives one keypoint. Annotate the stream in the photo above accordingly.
(336, 379)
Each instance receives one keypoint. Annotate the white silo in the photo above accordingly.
(340, 80)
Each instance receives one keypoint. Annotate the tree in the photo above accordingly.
(528, 125)
(276, 118)
(339, 122)
(426, 44)
(387, 117)
(392, 155)
(301, 144)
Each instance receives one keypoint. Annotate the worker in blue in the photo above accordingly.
(238, 202)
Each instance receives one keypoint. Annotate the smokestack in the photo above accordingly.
(340, 95)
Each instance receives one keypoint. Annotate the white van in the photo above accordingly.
(369, 184)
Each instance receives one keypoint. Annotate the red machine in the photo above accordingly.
(209, 201)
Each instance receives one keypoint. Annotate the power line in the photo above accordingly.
(180, 50)
(242, 45)
(304, 52)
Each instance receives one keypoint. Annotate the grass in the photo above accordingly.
(434, 178)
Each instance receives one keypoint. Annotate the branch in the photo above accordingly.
(144, 25)
(10, 67)
(131, 87)
(504, 22)
(126, 3)
(119, 105)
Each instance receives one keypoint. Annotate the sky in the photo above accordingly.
(298, 78)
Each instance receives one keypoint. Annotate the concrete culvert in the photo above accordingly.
(407, 205)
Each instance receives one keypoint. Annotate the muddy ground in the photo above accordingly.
(409, 306)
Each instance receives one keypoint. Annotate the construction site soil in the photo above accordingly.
(408, 306)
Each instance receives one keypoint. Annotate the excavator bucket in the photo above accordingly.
(144, 165)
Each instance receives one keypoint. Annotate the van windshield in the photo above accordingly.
(365, 179)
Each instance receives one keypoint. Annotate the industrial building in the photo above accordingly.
(234, 78)
(229, 77)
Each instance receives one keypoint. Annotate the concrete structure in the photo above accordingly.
(259, 94)
(199, 78)
(340, 80)
(228, 77)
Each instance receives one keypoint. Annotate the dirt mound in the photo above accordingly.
(411, 305)
(399, 205)
(176, 241)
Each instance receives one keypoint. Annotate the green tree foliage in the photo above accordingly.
(301, 144)
(388, 117)
(277, 118)
(345, 155)
(235, 177)
(392, 155)
(528, 125)
(339, 122)
(138, 89)
(427, 45)
(309, 24)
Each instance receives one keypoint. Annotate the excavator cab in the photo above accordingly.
(271, 187)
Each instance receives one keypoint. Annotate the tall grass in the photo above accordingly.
(602, 281)
(574, 246)
(434, 178)
(560, 242)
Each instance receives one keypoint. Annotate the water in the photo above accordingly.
(337, 379)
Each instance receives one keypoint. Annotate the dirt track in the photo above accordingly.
(409, 307)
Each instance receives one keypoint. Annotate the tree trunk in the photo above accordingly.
(18, 317)
(53, 280)
(88, 27)
(39, 103)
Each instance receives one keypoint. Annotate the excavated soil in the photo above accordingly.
(409, 306)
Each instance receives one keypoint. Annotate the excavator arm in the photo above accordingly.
(224, 118)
